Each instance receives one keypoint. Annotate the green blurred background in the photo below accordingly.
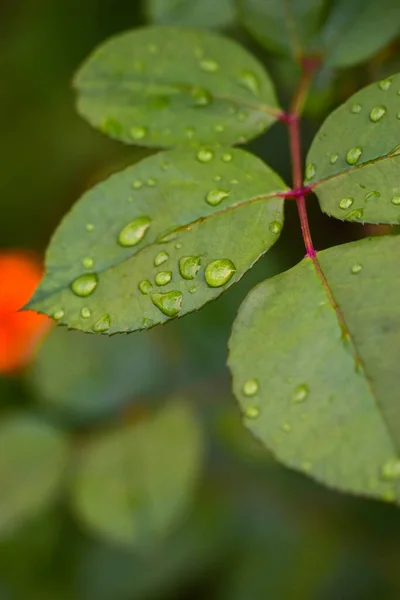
(251, 530)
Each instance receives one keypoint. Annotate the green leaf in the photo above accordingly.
(354, 161)
(134, 483)
(283, 26)
(190, 13)
(356, 30)
(33, 458)
(180, 214)
(161, 86)
(318, 379)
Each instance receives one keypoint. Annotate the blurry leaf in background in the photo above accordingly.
(33, 459)
(132, 484)
(20, 332)
(190, 13)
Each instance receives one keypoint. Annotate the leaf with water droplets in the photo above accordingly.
(362, 183)
(149, 254)
(190, 13)
(134, 483)
(163, 87)
(322, 342)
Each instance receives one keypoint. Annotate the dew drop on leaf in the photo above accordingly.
(334, 158)
(169, 303)
(300, 393)
(218, 272)
(58, 314)
(201, 97)
(163, 278)
(252, 412)
(138, 133)
(227, 157)
(356, 269)
(346, 203)
(251, 387)
(354, 155)
(161, 258)
(86, 312)
(250, 81)
(385, 84)
(137, 184)
(396, 200)
(355, 215)
(219, 128)
(310, 171)
(112, 127)
(286, 427)
(209, 65)
(88, 262)
(85, 285)
(102, 325)
(215, 197)
(151, 182)
(275, 227)
(356, 108)
(377, 113)
(89, 227)
(134, 232)
(145, 286)
(192, 290)
(374, 195)
(204, 156)
(391, 469)
(189, 266)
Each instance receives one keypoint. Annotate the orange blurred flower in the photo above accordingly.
(20, 332)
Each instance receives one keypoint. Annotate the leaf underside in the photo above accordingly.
(325, 395)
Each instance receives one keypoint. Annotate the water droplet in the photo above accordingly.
(250, 81)
(145, 286)
(252, 412)
(58, 314)
(300, 393)
(374, 195)
(138, 133)
(137, 184)
(218, 272)
(88, 262)
(209, 65)
(353, 155)
(89, 227)
(168, 236)
(201, 97)
(275, 227)
(227, 157)
(163, 278)
(190, 131)
(377, 113)
(112, 127)
(385, 84)
(178, 246)
(189, 266)
(333, 158)
(391, 469)
(192, 290)
(204, 155)
(356, 269)
(355, 215)
(134, 232)
(102, 325)
(169, 303)
(346, 203)
(147, 323)
(356, 108)
(286, 427)
(219, 128)
(389, 496)
(398, 115)
(151, 182)
(85, 285)
(215, 197)
(161, 258)
(251, 387)
(310, 171)
(396, 201)
(217, 178)
(86, 312)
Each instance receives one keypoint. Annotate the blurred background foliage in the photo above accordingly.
(125, 471)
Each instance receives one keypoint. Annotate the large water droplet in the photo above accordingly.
(385, 84)
(88, 262)
(163, 278)
(275, 227)
(102, 325)
(251, 387)
(134, 232)
(391, 469)
(218, 272)
(346, 203)
(169, 303)
(209, 65)
(58, 314)
(356, 108)
(377, 113)
(145, 286)
(354, 155)
(300, 393)
(85, 285)
(396, 200)
(215, 197)
(310, 171)
(86, 312)
(355, 269)
(138, 133)
(201, 97)
(252, 412)
(204, 155)
(189, 266)
(161, 258)
(250, 81)
(355, 215)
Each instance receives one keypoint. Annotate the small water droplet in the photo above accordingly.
(396, 200)
(310, 171)
(190, 131)
(377, 113)
(345, 203)
(374, 195)
(219, 128)
(192, 290)
(189, 266)
(86, 312)
(286, 427)
(163, 278)
(58, 314)
(209, 65)
(151, 182)
(138, 133)
(217, 178)
(112, 127)
(137, 184)
(85, 285)
(354, 155)
(88, 262)
(355, 215)
(275, 227)
(250, 81)
(355, 269)
(145, 286)
(178, 245)
(252, 412)
(102, 325)
(204, 155)
(169, 303)
(201, 97)
(226, 157)
(398, 115)
(334, 158)
(385, 84)
(391, 469)
(134, 232)
(300, 393)
(161, 258)
(215, 197)
(89, 227)
(146, 323)
(219, 272)
(356, 108)
(251, 387)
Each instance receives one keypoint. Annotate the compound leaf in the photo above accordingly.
(163, 87)
(159, 239)
(317, 375)
(134, 483)
(354, 161)
(190, 13)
